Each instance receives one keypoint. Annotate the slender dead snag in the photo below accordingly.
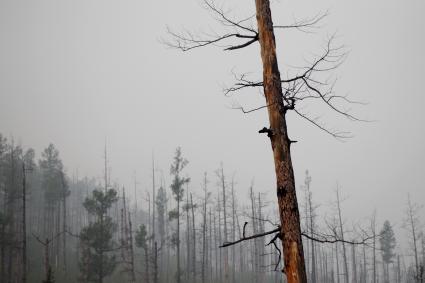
(46, 244)
(341, 231)
(287, 200)
(282, 96)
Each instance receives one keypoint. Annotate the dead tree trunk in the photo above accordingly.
(226, 252)
(311, 222)
(131, 249)
(220, 240)
(233, 233)
(280, 142)
(354, 265)
(24, 225)
(188, 248)
(411, 218)
(64, 195)
(193, 239)
(153, 199)
(204, 231)
(178, 241)
(341, 231)
(255, 242)
(373, 228)
(210, 245)
(155, 263)
(364, 279)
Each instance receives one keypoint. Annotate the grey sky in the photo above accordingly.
(75, 72)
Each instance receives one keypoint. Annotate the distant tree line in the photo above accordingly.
(60, 228)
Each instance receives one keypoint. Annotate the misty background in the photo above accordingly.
(79, 73)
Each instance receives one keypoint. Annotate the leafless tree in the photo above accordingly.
(412, 226)
(282, 95)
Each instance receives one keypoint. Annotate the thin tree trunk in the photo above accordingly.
(178, 240)
(147, 264)
(414, 238)
(153, 199)
(280, 142)
(341, 231)
(211, 249)
(132, 271)
(226, 251)
(155, 263)
(364, 265)
(337, 262)
(24, 225)
(215, 247)
(311, 218)
(354, 266)
(188, 248)
(220, 241)
(254, 227)
(193, 239)
(64, 220)
(233, 233)
(373, 228)
(204, 231)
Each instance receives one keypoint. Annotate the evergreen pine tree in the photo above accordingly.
(96, 262)
(387, 242)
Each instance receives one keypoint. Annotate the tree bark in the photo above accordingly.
(287, 199)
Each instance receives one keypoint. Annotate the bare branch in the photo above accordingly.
(227, 244)
(225, 19)
(336, 134)
(186, 40)
(305, 25)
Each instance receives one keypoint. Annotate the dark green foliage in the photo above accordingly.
(174, 240)
(52, 171)
(161, 202)
(173, 214)
(96, 240)
(141, 237)
(100, 202)
(178, 182)
(388, 242)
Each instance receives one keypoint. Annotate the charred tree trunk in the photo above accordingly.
(280, 142)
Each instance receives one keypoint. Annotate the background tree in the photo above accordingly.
(177, 188)
(412, 226)
(97, 238)
(387, 242)
(55, 194)
(142, 242)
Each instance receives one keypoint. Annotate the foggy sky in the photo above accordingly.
(78, 72)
